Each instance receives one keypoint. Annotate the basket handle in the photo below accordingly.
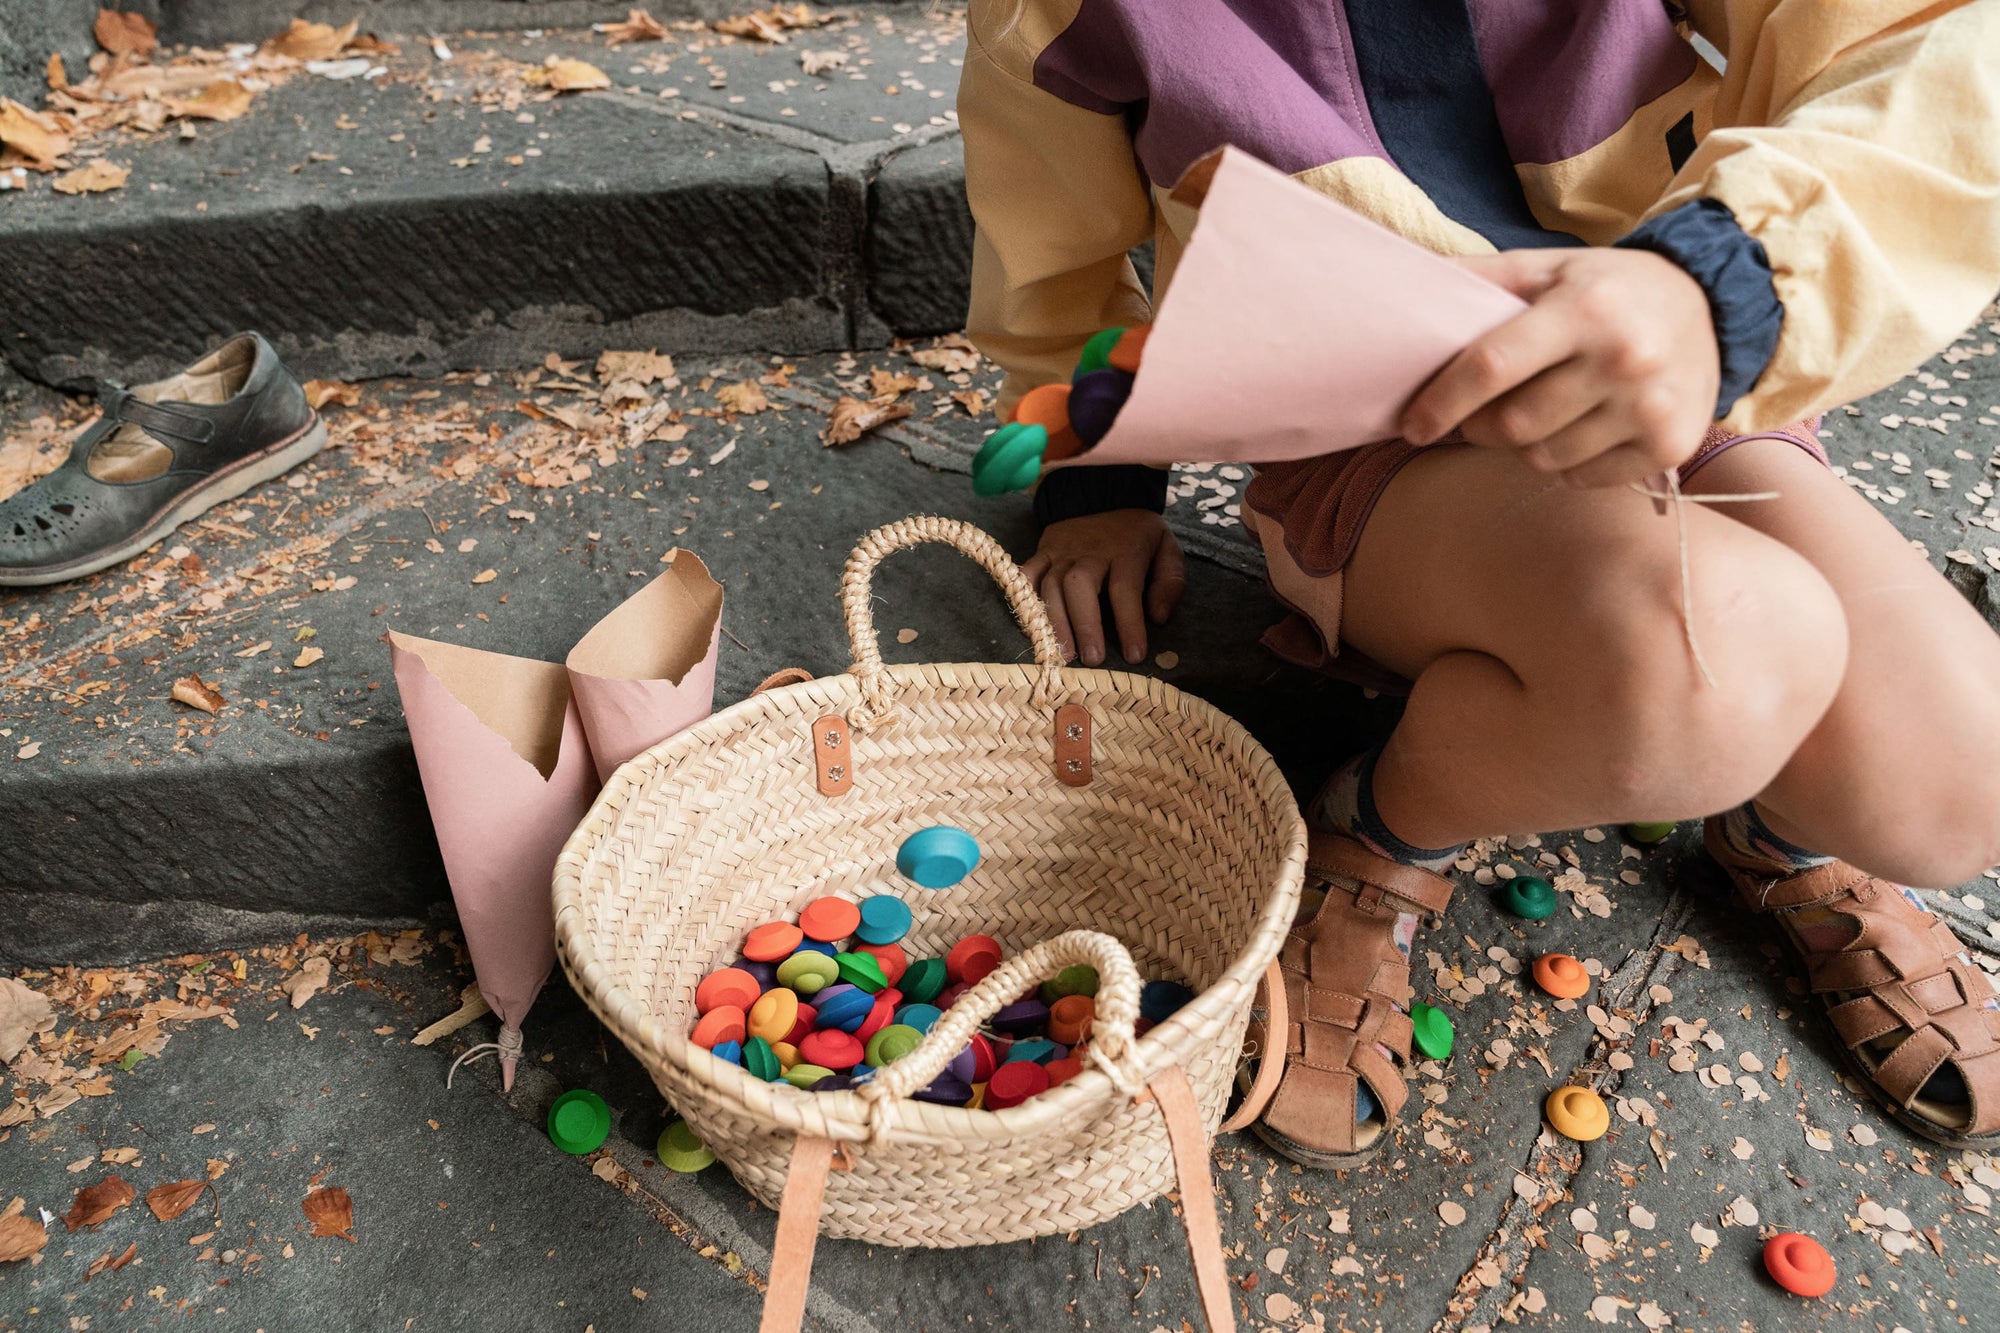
(878, 694)
(1111, 1030)
(812, 1158)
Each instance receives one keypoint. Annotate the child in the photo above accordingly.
(1706, 256)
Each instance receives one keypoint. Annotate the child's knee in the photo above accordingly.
(1672, 743)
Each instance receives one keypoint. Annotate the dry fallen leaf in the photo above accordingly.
(573, 76)
(170, 1200)
(21, 1237)
(952, 355)
(321, 393)
(852, 418)
(889, 383)
(96, 1202)
(197, 693)
(58, 76)
(96, 178)
(308, 980)
(305, 41)
(28, 751)
(639, 26)
(330, 1211)
(24, 1011)
(769, 25)
(486, 576)
(640, 367)
(818, 62)
(471, 1004)
(744, 399)
(222, 100)
(307, 656)
(38, 139)
(105, 1263)
(125, 34)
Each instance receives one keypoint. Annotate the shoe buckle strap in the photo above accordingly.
(158, 419)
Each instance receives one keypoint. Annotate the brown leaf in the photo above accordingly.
(769, 25)
(308, 655)
(58, 76)
(170, 1200)
(331, 1212)
(320, 393)
(24, 1011)
(104, 1263)
(125, 34)
(852, 418)
(225, 99)
(39, 139)
(744, 399)
(952, 355)
(818, 62)
(96, 1202)
(305, 41)
(639, 26)
(197, 693)
(21, 1237)
(642, 367)
(569, 76)
(309, 980)
(889, 384)
(972, 400)
(96, 178)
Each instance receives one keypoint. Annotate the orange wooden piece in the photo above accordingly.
(1127, 352)
(1070, 1017)
(829, 919)
(771, 941)
(731, 987)
(1048, 407)
(719, 1025)
(1561, 976)
(892, 958)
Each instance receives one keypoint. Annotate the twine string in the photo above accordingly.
(509, 1047)
(1678, 500)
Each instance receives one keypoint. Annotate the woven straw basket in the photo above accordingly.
(1173, 849)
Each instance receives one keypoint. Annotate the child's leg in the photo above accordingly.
(1554, 685)
(1902, 774)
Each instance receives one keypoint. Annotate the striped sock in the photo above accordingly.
(1746, 833)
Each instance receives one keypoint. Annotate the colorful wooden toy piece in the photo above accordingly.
(771, 941)
(1561, 976)
(938, 857)
(1062, 1071)
(1529, 897)
(1130, 350)
(972, 958)
(831, 1049)
(924, 979)
(881, 1014)
(846, 1011)
(788, 1054)
(922, 1017)
(1021, 1018)
(893, 960)
(1799, 1264)
(1648, 835)
(892, 1043)
(730, 988)
(1161, 1000)
(885, 919)
(1431, 1030)
(1096, 354)
(984, 1059)
(774, 1015)
(1076, 979)
(725, 1023)
(1070, 1018)
(679, 1150)
(808, 972)
(807, 1020)
(1577, 1113)
(803, 1075)
(729, 1052)
(579, 1122)
(760, 1061)
(1010, 460)
(1094, 403)
(1047, 406)
(1015, 1083)
(1037, 1050)
(860, 970)
(829, 920)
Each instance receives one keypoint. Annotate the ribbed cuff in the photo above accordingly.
(1074, 492)
(1704, 238)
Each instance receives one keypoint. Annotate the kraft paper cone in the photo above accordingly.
(507, 775)
(647, 670)
(1294, 327)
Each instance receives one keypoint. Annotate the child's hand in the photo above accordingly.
(1128, 553)
(1610, 376)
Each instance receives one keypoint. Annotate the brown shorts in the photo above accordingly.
(1309, 515)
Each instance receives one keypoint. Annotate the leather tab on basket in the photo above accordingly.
(1175, 1095)
(833, 755)
(783, 676)
(1270, 1064)
(1073, 745)
(798, 1232)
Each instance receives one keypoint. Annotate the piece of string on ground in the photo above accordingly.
(1678, 500)
(508, 1047)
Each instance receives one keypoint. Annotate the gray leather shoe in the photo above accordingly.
(161, 454)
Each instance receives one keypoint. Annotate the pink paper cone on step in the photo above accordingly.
(1294, 327)
(647, 670)
(507, 774)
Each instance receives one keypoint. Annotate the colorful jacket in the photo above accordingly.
(1835, 187)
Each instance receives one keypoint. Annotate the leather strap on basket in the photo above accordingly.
(812, 1158)
(1270, 1061)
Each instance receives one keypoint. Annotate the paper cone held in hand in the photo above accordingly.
(1294, 327)
(647, 670)
(512, 751)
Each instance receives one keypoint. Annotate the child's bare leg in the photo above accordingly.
(1902, 774)
(1554, 685)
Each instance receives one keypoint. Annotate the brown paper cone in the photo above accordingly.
(647, 670)
(507, 775)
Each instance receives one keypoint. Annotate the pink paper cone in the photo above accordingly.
(647, 670)
(1294, 327)
(507, 775)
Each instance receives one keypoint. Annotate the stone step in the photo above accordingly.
(448, 215)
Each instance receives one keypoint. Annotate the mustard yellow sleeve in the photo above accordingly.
(1057, 200)
(1859, 141)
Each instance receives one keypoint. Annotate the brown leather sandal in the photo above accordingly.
(1901, 996)
(1345, 986)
